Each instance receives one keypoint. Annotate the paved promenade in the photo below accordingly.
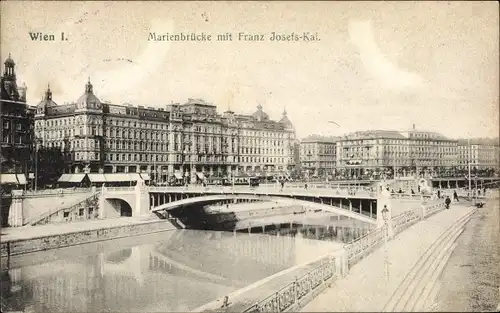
(366, 288)
(471, 279)
(27, 232)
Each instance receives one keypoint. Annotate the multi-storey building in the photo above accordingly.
(188, 140)
(16, 127)
(266, 146)
(318, 157)
(483, 157)
(366, 154)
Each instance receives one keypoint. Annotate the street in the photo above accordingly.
(470, 281)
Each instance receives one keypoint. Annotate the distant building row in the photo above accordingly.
(371, 154)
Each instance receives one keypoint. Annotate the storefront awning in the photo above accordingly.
(200, 175)
(118, 177)
(64, 178)
(134, 176)
(22, 179)
(178, 175)
(145, 176)
(97, 178)
(8, 179)
(76, 178)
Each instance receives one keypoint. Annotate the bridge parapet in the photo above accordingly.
(290, 191)
(360, 247)
(58, 191)
(320, 274)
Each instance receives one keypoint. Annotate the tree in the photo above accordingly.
(50, 165)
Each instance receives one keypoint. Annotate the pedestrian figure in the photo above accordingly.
(484, 191)
(479, 192)
(418, 188)
(455, 196)
(412, 192)
(439, 194)
(282, 185)
(447, 202)
(305, 185)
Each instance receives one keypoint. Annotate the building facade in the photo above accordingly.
(484, 158)
(381, 153)
(189, 140)
(16, 125)
(318, 157)
(396, 153)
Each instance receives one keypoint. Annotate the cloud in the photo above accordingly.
(387, 74)
(122, 76)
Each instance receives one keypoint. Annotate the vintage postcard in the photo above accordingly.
(261, 156)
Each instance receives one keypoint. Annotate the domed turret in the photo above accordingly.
(47, 102)
(285, 120)
(88, 100)
(260, 115)
(9, 61)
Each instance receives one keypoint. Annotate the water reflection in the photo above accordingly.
(321, 232)
(175, 272)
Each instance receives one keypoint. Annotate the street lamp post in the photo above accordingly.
(36, 164)
(385, 213)
(469, 164)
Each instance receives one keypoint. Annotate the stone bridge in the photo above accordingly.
(359, 203)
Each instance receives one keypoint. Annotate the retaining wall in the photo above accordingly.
(21, 246)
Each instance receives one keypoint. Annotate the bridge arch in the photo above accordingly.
(280, 200)
(116, 207)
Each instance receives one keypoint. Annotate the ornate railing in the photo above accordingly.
(362, 246)
(257, 190)
(114, 189)
(406, 219)
(59, 191)
(432, 209)
(292, 293)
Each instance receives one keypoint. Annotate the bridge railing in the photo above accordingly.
(410, 196)
(303, 288)
(58, 191)
(433, 209)
(256, 190)
(362, 246)
(404, 220)
(115, 189)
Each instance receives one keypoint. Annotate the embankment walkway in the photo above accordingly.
(371, 283)
(30, 232)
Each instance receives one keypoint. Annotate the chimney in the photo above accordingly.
(413, 126)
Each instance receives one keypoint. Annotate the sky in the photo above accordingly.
(377, 65)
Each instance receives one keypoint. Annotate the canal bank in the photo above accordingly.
(21, 240)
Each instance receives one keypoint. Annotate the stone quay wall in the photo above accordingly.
(22, 246)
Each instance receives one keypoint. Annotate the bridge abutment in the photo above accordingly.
(16, 215)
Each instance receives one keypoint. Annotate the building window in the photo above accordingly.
(81, 212)
(65, 214)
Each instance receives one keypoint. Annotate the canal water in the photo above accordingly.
(176, 270)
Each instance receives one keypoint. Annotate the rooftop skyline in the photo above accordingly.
(377, 66)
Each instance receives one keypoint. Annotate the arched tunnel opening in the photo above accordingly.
(117, 208)
(125, 209)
